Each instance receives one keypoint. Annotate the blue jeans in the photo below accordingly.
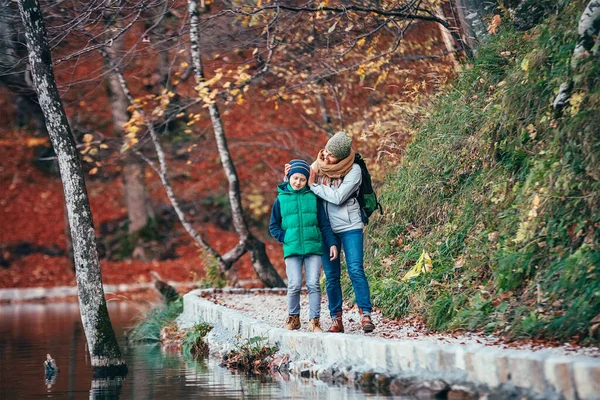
(293, 269)
(352, 243)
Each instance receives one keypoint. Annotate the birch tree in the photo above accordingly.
(588, 38)
(248, 242)
(105, 354)
(139, 207)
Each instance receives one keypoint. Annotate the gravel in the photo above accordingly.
(271, 309)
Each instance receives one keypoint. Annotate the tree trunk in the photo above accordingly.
(162, 172)
(139, 208)
(161, 42)
(588, 30)
(105, 354)
(13, 68)
(471, 23)
(589, 33)
(260, 261)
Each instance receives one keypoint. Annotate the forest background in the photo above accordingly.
(176, 124)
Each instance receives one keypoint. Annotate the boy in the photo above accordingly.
(299, 221)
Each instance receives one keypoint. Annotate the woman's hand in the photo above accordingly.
(333, 253)
(312, 178)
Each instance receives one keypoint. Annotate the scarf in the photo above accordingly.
(332, 174)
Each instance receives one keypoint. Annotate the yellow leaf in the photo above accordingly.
(532, 131)
(32, 142)
(525, 64)
(424, 264)
(575, 102)
(332, 28)
(493, 27)
(93, 171)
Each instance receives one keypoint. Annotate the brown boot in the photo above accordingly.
(293, 322)
(314, 325)
(337, 325)
(366, 322)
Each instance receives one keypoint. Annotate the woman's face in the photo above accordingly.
(330, 158)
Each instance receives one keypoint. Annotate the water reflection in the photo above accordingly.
(29, 331)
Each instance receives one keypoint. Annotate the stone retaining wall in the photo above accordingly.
(539, 374)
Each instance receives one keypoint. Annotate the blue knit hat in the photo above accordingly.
(299, 167)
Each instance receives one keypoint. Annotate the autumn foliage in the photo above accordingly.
(281, 92)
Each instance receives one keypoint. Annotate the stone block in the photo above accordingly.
(485, 370)
(335, 348)
(402, 356)
(504, 373)
(275, 336)
(375, 354)
(355, 349)
(428, 356)
(461, 392)
(586, 373)
(447, 360)
(559, 376)
(527, 370)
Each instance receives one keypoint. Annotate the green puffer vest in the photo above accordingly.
(300, 222)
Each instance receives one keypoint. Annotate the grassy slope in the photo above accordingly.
(502, 193)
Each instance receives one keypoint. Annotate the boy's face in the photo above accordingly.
(297, 181)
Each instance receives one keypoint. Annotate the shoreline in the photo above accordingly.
(396, 365)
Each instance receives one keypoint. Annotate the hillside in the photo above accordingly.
(502, 192)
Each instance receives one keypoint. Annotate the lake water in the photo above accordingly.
(29, 331)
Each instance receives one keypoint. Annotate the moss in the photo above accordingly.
(106, 345)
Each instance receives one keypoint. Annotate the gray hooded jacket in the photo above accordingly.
(341, 203)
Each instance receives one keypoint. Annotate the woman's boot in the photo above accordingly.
(366, 322)
(337, 324)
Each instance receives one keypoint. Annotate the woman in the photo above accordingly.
(335, 178)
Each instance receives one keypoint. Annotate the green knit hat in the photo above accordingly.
(339, 145)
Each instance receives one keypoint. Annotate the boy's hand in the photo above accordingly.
(333, 253)
(312, 178)
(286, 169)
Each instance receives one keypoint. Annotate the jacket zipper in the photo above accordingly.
(301, 224)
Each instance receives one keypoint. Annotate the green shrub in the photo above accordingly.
(151, 324)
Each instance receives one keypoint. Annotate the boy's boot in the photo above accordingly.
(314, 325)
(366, 322)
(293, 322)
(337, 324)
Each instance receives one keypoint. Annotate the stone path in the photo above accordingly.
(396, 358)
(271, 309)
